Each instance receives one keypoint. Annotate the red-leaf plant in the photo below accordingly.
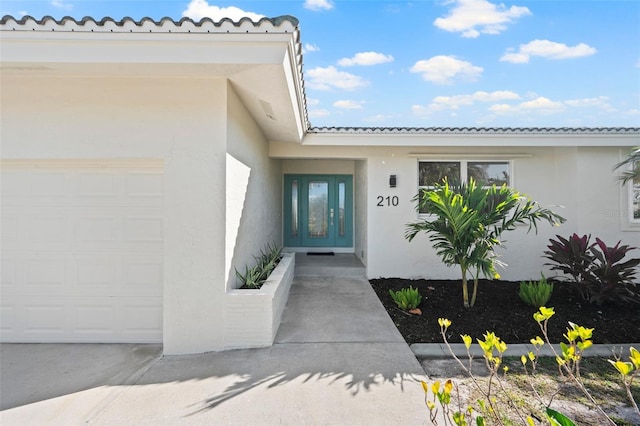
(597, 269)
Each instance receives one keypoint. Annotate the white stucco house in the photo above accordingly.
(143, 161)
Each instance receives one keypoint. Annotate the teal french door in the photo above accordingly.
(318, 210)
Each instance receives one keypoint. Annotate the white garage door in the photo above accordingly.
(82, 251)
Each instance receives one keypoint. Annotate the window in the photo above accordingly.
(485, 173)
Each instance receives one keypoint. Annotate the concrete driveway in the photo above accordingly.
(59, 383)
(339, 360)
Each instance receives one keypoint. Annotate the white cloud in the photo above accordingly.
(600, 101)
(444, 69)
(198, 9)
(61, 5)
(365, 58)
(542, 104)
(308, 48)
(504, 103)
(315, 113)
(421, 110)
(515, 58)
(329, 77)
(501, 108)
(547, 49)
(318, 4)
(440, 103)
(378, 118)
(473, 17)
(538, 105)
(466, 100)
(348, 104)
(313, 101)
(575, 109)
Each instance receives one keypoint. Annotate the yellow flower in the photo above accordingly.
(496, 276)
(544, 314)
(537, 341)
(448, 386)
(444, 323)
(623, 368)
(635, 357)
(467, 340)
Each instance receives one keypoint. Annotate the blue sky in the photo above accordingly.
(459, 63)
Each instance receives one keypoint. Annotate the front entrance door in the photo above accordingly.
(318, 210)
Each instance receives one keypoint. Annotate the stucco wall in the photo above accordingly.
(599, 197)
(253, 191)
(319, 167)
(360, 204)
(577, 182)
(178, 121)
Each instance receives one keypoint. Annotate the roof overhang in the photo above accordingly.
(249, 54)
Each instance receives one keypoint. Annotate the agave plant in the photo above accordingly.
(265, 264)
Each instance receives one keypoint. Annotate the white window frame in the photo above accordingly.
(629, 192)
(463, 170)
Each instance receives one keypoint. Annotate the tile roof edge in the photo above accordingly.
(473, 130)
(275, 21)
(284, 24)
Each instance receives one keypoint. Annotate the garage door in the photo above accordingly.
(82, 251)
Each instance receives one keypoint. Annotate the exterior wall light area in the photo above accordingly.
(393, 181)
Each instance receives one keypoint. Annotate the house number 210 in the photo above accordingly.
(387, 201)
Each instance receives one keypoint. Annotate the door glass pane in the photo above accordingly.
(318, 209)
(341, 203)
(488, 173)
(294, 208)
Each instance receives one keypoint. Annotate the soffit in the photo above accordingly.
(263, 59)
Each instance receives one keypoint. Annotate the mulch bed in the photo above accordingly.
(499, 309)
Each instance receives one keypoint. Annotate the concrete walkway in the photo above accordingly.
(338, 359)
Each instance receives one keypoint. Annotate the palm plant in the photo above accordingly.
(632, 161)
(469, 221)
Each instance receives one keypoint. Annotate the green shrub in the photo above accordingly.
(536, 293)
(466, 222)
(407, 298)
(265, 264)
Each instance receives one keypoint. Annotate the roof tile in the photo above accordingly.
(280, 24)
(477, 130)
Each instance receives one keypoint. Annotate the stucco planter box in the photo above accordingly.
(252, 317)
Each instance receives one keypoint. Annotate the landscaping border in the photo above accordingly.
(252, 316)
